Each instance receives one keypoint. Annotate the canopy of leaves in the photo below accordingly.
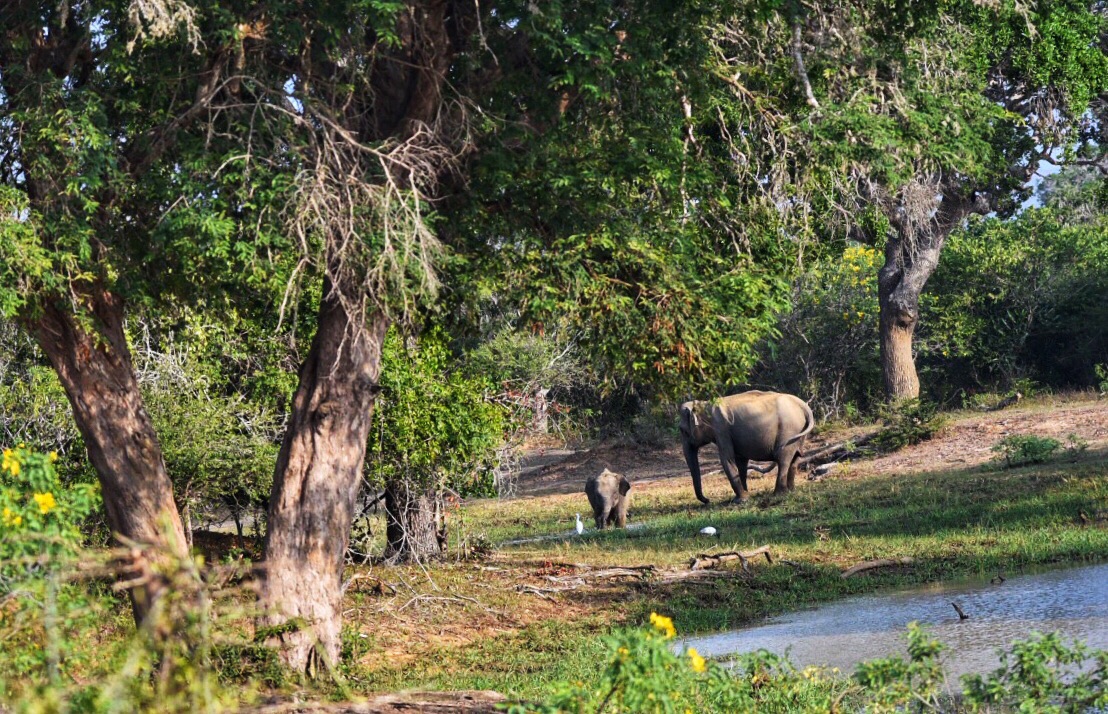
(433, 425)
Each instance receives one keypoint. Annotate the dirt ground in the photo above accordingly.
(965, 441)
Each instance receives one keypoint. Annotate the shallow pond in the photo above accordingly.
(1073, 601)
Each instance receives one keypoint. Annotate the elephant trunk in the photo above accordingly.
(692, 458)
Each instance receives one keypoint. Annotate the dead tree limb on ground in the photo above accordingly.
(873, 564)
(705, 561)
(838, 451)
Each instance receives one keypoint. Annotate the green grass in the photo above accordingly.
(466, 625)
(954, 524)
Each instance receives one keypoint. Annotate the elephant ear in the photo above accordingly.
(624, 486)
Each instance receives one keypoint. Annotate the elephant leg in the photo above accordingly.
(600, 515)
(735, 470)
(786, 468)
(620, 514)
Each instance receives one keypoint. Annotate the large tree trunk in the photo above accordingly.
(93, 364)
(898, 292)
(315, 487)
(911, 256)
(416, 528)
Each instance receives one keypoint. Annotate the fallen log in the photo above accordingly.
(838, 451)
(874, 564)
(636, 571)
(705, 561)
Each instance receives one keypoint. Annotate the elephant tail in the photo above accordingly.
(810, 423)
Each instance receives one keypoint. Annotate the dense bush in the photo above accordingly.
(1013, 303)
(40, 517)
(828, 345)
(644, 674)
(433, 423)
(1026, 298)
(908, 422)
(1022, 449)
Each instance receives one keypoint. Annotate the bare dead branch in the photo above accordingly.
(874, 564)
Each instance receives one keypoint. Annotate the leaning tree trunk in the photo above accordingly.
(911, 256)
(93, 363)
(415, 528)
(315, 487)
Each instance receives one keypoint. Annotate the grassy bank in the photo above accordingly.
(953, 524)
(518, 619)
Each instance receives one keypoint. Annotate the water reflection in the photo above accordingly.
(1073, 601)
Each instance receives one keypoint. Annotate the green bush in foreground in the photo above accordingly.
(644, 674)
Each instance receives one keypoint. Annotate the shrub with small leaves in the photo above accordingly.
(1044, 674)
(1022, 449)
(645, 674)
(908, 422)
(40, 518)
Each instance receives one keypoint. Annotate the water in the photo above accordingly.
(1073, 601)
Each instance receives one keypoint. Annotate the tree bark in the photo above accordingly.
(416, 529)
(93, 363)
(316, 484)
(911, 256)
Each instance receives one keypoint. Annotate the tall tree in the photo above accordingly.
(87, 152)
(918, 115)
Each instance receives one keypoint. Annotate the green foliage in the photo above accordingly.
(644, 674)
(40, 518)
(1042, 674)
(1014, 304)
(893, 683)
(219, 447)
(61, 651)
(1101, 371)
(607, 225)
(827, 349)
(1014, 299)
(1023, 449)
(907, 422)
(433, 424)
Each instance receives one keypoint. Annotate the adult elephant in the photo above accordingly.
(755, 425)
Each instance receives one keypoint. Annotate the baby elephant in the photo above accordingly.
(609, 497)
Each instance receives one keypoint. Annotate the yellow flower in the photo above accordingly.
(10, 462)
(663, 624)
(46, 502)
(53, 456)
(7, 516)
(697, 662)
(18, 521)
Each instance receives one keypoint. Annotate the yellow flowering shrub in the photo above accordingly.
(647, 672)
(39, 516)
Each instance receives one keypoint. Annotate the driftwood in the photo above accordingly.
(873, 564)
(705, 561)
(470, 702)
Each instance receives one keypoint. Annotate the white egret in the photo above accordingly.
(580, 525)
(709, 531)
